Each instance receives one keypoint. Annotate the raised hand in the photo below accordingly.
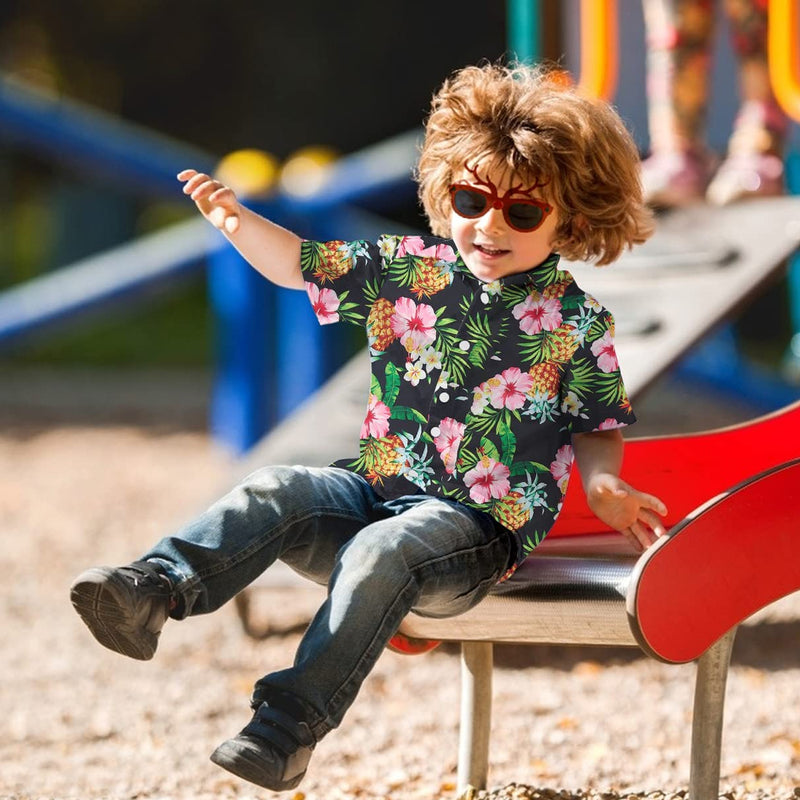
(635, 514)
(216, 201)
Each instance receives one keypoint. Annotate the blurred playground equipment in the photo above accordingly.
(264, 332)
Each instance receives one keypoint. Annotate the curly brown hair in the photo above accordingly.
(526, 120)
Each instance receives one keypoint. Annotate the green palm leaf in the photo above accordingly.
(310, 255)
(489, 449)
(582, 378)
(467, 459)
(508, 442)
(598, 327)
(610, 388)
(392, 385)
(514, 295)
(523, 467)
(406, 412)
(532, 541)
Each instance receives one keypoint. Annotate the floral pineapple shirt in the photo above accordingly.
(476, 387)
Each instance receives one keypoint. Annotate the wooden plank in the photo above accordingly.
(701, 266)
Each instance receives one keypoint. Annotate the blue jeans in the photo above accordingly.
(380, 559)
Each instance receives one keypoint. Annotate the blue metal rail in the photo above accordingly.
(68, 132)
(121, 274)
(263, 332)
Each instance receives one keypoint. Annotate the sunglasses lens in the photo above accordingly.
(469, 204)
(525, 216)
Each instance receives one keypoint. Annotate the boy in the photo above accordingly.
(490, 370)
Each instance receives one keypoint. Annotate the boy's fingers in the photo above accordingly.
(218, 217)
(643, 534)
(202, 191)
(196, 180)
(222, 218)
(191, 176)
(653, 522)
(656, 504)
(633, 538)
(223, 195)
(652, 502)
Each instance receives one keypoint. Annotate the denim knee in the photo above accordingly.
(379, 559)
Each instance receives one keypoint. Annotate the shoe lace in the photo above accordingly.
(145, 573)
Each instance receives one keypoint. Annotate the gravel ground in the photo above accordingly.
(78, 721)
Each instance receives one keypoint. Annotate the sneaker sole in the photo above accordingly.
(103, 601)
(244, 764)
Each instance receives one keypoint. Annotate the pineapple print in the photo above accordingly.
(430, 277)
(512, 511)
(563, 344)
(555, 290)
(546, 378)
(334, 261)
(516, 508)
(380, 457)
(379, 328)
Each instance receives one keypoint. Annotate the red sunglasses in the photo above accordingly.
(520, 213)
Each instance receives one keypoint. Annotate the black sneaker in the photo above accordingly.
(273, 751)
(124, 607)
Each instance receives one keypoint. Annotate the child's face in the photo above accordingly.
(490, 247)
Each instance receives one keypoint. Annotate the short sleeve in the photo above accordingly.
(342, 279)
(593, 396)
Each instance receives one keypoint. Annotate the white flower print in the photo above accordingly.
(431, 358)
(571, 404)
(414, 372)
(593, 304)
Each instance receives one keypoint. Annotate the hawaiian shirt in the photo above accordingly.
(476, 387)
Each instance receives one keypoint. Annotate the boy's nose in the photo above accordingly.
(492, 220)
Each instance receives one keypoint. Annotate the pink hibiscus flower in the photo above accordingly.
(413, 323)
(325, 303)
(510, 389)
(536, 313)
(415, 246)
(560, 469)
(609, 424)
(606, 355)
(489, 478)
(376, 423)
(448, 441)
(410, 246)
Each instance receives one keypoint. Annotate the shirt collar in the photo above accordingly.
(537, 277)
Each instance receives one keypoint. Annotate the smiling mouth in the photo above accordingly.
(490, 251)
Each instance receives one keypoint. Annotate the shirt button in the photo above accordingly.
(444, 397)
(435, 432)
(484, 298)
(463, 345)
